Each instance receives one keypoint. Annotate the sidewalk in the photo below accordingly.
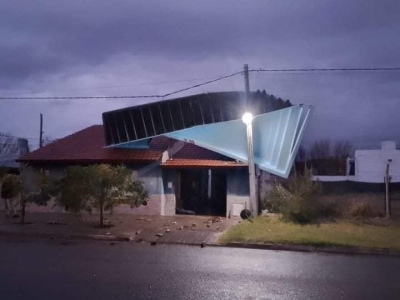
(180, 229)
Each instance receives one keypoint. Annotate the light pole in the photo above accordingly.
(387, 182)
(248, 120)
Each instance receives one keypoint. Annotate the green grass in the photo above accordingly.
(265, 230)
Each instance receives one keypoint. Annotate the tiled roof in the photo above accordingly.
(87, 146)
(201, 163)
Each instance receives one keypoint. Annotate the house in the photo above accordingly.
(179, 176)
(370, 165)
(191, 152)
(10, 149)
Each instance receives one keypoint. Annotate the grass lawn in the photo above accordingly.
(271, 229)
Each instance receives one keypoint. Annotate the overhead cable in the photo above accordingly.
(202, 84)
(122, 97)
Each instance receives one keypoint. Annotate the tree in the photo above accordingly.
(74, 190)
(45, 189)
(47, 140)
(301, 154)
(10, 189)
(14, 194)
(320, 149)
(99, 186)
(342, 149)
(8, 144)
(329, 160)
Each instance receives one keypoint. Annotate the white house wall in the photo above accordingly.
(370, 165)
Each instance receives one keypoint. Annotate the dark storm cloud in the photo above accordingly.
(22, 62)
(46, 36)
(67, 46)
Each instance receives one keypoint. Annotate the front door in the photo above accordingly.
(203, 192)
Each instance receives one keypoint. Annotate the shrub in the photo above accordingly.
(11, 186)
(296, 199)
(101, 187)
(360, 210)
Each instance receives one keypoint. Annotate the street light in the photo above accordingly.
(247, 119)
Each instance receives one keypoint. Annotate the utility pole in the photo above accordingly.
(250, 151)
(41, 132)
(247, 86)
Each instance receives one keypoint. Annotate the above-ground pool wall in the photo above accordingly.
(237, 196)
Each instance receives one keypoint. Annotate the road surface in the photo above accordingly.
(98, 270)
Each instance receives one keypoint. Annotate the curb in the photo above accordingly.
(96, 237)
(273, 247)
(313, 249)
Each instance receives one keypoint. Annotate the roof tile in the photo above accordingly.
(87, 146)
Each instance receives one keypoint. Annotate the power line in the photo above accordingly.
(326, 69)
(116, 86)
(80, 97)
(202, 84)
(122, 97)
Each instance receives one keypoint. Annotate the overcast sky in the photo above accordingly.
(116, 48)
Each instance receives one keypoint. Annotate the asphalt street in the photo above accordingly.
(33, 269)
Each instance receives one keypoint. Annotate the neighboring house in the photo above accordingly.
(10, 150)
(369, 166)
(179, 176)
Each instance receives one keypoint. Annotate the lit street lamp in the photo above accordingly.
(247, 119)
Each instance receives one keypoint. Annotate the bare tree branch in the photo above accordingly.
(8, 144)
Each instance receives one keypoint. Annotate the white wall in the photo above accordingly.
(370, 165)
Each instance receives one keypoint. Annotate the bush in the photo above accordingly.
(101, 187)
(296, 199)
(360, 211)
(11, 186)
